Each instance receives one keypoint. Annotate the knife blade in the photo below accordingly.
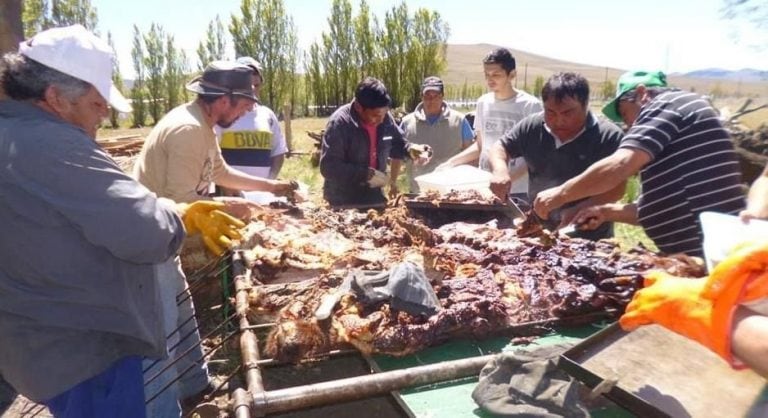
(515, 210)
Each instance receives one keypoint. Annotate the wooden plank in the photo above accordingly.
(676, 375)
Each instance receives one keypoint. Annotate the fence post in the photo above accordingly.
(288, 131)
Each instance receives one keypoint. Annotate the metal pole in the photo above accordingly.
(360, 387)
(249, 345)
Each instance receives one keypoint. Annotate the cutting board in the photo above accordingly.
(659, 373)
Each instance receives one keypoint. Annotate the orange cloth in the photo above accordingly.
(702, 309)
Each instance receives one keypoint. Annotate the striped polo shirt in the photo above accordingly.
(694, 168)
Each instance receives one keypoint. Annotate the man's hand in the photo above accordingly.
(676, 303)
(283, 187)
(750, 213)
(377, 178)
(393, 191)
(217, 228)
(500, 183)
(547, 201)
(585, 219)
(702, 309)
(421, 154)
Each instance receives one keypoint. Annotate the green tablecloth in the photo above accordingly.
(454, 399)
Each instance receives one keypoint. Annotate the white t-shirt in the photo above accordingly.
(251, 142)
(495, 117)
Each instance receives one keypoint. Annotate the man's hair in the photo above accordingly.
(210, 98)
(25, 79)
(631, 95)
(566, 84)
(501, 56)
(372, 94)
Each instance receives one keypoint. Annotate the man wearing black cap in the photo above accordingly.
(433, 123)
(359, 139)
(254, 143)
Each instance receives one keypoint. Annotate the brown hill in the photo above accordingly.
(465, 63)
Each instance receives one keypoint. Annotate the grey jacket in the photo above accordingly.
(77, 283)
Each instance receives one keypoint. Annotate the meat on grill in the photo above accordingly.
(486, 279)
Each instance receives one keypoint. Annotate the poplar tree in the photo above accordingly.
(117, 80)
(138, 94)
(173, 77)
(214, 46)
(265, 32)
(38, 15)
(365, 41)
(154, 62)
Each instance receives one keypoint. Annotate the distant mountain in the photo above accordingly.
(745, 74)
(465, 66)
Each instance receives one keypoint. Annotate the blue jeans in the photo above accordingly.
(116, 392)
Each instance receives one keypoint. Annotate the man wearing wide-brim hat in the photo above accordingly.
(181, 160)
(685, 158)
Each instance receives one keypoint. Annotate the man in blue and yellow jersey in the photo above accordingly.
(254, 143)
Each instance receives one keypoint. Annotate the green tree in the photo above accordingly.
(313, 69)
(138, 93)
(70, 12)
(154, 62)
(365, 41)
(39, 15)
(266, 32)
(35, 16)
(117, 79)
(175, 67)
(427, 53)
(394, 42)
(339, 49)
(214, 46)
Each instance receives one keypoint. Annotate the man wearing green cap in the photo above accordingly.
(685, 158)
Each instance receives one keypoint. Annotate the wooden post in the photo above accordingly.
(288, 132)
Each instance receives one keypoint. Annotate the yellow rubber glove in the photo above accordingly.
(217, 227)
(702, 309)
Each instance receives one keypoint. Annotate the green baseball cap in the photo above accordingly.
(629, 81)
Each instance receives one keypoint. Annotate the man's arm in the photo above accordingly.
(501, 180)
(601, 177)
(279, 146)
(749, 339)
(757, 200)
(110, 209)
(333, 164)
(235, 179)
(276, 165)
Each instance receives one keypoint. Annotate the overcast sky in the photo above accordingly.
(673, 35)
